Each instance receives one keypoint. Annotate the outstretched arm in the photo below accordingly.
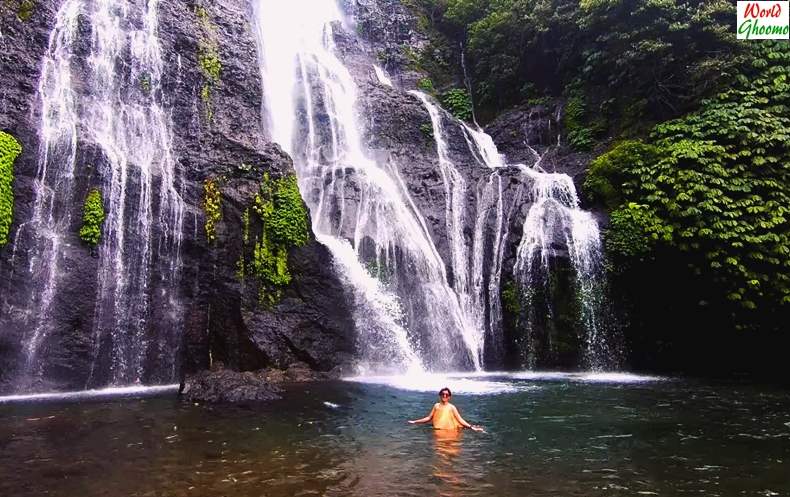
(463, 422)
(426, 419)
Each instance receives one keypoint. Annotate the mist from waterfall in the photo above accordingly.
(310, 101)
(115, 117)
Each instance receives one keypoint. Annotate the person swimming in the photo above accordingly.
(445, 416)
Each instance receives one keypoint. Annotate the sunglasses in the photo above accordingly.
(444, 395)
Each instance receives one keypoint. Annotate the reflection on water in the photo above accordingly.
(447, 444)
(557, 436)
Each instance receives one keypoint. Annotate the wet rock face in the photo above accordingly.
(391, 35)
(312, 321)
(22, 45)
(527, 134)
(209, 311)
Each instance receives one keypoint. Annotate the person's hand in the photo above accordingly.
(412, 422)
(478, 428)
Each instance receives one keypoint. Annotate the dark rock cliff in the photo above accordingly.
(210, 314)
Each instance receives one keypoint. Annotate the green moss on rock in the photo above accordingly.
(9, 151)
(511, 298)
(92, 218)
(208, 57)
(212, 207)
(284, 224)
(427, 130)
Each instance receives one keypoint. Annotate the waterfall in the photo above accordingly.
(555, 209)
(310, 99)
(117, 111)
(125, 119)
(54, 184)
(455, 190)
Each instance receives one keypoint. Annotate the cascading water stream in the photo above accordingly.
(455, 190)
(129, 125)
(54, 184)
(116, 109)
(310, 99)
(382, 77)
(555, 208)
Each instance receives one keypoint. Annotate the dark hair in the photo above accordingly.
(445, 389)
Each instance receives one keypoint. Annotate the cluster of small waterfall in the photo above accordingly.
(116, 108)
(414, 308)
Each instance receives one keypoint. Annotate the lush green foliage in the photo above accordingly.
(459, 103)
(212, 207)
(9, 151)
(634, 231)
(426, 85)
(580, 133)
(92, 218)
(288, 221)
(606, 175)
(650, 57)
(715, 184)
(284, 224)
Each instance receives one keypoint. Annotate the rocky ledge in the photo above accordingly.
(220, 385)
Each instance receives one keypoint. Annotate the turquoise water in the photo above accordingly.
(556, 434)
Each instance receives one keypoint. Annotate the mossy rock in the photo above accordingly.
(9, 151)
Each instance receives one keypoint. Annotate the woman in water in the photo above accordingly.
(444, 415)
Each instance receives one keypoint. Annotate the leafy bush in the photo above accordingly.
(634, 230)
(426, 85)
(718, 180)
(459, 103)
(606, 174)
